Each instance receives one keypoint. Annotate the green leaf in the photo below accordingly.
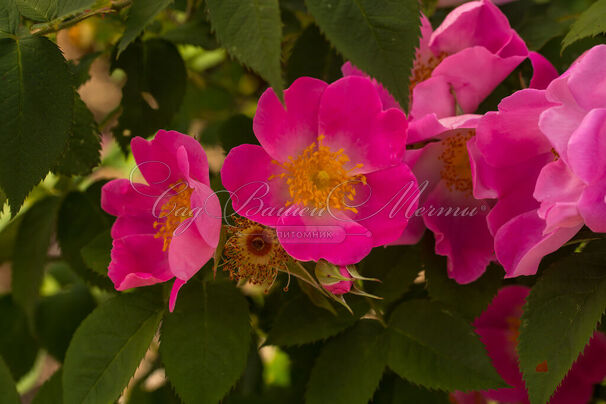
(205, 341)
(7, 386)
(51, 391)
(59, 315)
(590, 23)
(383, 41)
(313, 56)
(81, 69)
(237, 130)
(431, 347)
(80, 221)
(35, 83)
(141, 13)
(394, 390)
(97, 253)
(349, 367)
(66, 7)
(108, 346)
(251, 30)
(31, 249)
(17, 345)
(469, 300)
(154, 90)
(9, 17)
(300, 322)
(38, 10)
(195, 32)
(83, 148)
(560, 316)
(396, 267)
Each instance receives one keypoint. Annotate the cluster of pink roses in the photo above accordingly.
(342, 169)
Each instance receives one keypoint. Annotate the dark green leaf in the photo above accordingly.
(141, 13)
(383, 41)
(66, 7)
(38, 10)
(81, 69)
(590, 23)
(83, 148)
(108, 346)
(51, 391)
(58, 316)
(208, 336)
(196, 32)
(422, 351)
(97, 253)
(17, 346)
(394, 390)
(36, 103)
(561, 314)
(313, 56)
(236, 130)
(162, 395)
(9, 17)
(8, 237)
(350, 366)
(7, 386)
(300, 322)
(250, 30)
(154, 89)
(31, 249)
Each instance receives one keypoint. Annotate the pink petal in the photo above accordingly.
(122, 198)
(286, 131)
(188, 251)
(432, 96)
(351, 117)
(587, 147)
(592, 206)
(543, 71)
(587, 84)
(208, 213)
(245, 174)
(387, 99)
(174, 292)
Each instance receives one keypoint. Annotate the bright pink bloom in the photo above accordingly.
(324, 171)
(169, 228)
(447, 206)
(451, 3)
(498, 328)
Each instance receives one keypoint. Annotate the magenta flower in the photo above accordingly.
(498, 328)
(169, 228)
(324, 173)
(451, 3)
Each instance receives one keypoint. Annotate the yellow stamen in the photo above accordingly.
(318, 177)
(457, 169)
(173, 212)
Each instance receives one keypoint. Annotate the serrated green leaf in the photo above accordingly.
(590, 23)
(7, 386)
(81, 69)
(66, 7)
(141, 13)
(154, 90)
(300, 322)
(422, 350)
(35, 83)
(195, 32)
(83, 148)
(17, 345)
(394, 390)
(108, 346)
(51, 391)
(9, 17)
(251, 30)
(560, 316)
(31, 250)
(38, 10)
(205, 341)
(97, 253)
(383, 41)
(313, 56)
(349, 367)
(59, 315)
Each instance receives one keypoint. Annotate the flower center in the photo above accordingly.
(253, 252)
(173, 212)
(422, 68)
(456, 170)
(318, 177)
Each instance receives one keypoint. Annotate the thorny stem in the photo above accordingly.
(69, 20)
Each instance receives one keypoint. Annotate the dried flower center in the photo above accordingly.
(173, 212)
(318, 177)
(456, 170)
(422, 68)
(253, 252)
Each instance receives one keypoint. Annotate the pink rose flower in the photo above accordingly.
(168, 228)
(325, 171)
(498, 328)
(451, 3)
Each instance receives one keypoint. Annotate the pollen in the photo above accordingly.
(253, 253)
(173, 212)
(456, 170)
(318, 178)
